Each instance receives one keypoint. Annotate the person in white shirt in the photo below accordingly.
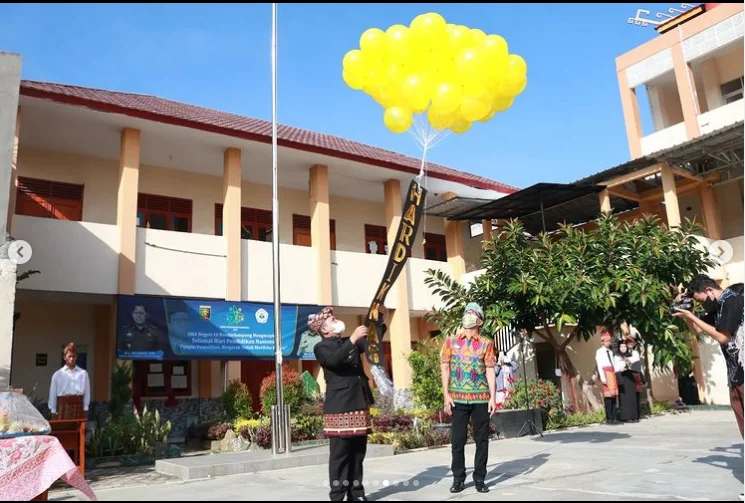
(70, 380)
(607, 366)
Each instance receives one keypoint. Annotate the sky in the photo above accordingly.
(567, 124)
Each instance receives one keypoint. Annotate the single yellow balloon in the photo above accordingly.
(373, 41)
(354, 61)
(502, 104)
(446, 98)
(375, 77)
(477, 37)
(519, 87)
(397, 119)
(389, 96)
(417, 92)
(458, 39)
(438, 120)
(428, 28)
(398, 39)
(495, 45)
(469, 63)
(489, 116)
(475, 106)
(517, 64)
(461, 126)
(355, 80)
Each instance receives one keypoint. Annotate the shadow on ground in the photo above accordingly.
(730, 459)
(571, 437)
(498, 474)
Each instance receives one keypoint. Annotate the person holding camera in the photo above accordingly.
(723, 323)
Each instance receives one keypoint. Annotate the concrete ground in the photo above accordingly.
(691, 456)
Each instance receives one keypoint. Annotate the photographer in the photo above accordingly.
(723, 323)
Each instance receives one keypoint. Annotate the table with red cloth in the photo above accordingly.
(30, 464)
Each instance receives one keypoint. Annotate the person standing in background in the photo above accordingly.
(69, 381)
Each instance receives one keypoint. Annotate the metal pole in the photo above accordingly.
(278, 438)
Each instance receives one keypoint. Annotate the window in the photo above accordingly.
(301, 231)
(164, 213)
(732, 90)
(256, 224)
(163, 378)
(376, 240)
(434, 247)
(45, 199)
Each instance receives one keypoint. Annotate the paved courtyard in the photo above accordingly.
(692, 456)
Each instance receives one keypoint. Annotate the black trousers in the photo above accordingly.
(610, 409)
(345, 467)
(478, 413)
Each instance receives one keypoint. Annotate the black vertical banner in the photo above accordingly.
(399, 252)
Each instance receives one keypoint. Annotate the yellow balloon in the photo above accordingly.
(477, 37)
(397, 119)
(446, 98)
(428, 28)
(495, 45)
(461, 126)
(396, 73)
(417, 92)
(389, 96)
(354, 61)
(373, 41)
(439, 120)
(519, 87)
(398, 38)
(475, 106)
(502, 104)
(517, 64)
(355, 80)
(469, 63)
(374, 78)
(458, 39)
(489, 116)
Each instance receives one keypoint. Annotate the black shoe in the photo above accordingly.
(456, 487)
(358, 498)
(482, 487)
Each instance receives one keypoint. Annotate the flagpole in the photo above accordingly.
(279, 430)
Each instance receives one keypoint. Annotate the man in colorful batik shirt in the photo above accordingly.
(467, 363)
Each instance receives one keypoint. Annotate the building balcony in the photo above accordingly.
(664, 138)
(72, 256)
(721, 117)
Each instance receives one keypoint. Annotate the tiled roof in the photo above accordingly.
(181, 114)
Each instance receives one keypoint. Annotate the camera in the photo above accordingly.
(685, 303)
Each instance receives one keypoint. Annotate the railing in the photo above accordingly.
(505, 339)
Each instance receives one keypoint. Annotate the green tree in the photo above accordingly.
(425, 366)
(617, 271)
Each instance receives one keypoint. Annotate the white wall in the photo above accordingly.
(665, 138)
(355, 278)
(298, 277)
(721, 117)
(421, 297)
(180, 264)
(72, 256)
(46, 327)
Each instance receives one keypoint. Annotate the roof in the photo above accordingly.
(720, 149)
(180, 114)
(543, 206)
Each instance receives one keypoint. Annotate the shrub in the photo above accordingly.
(386, 423)
(263, 437)
(132, 433)
(307, 427)
(236, 400)
(218, 431)
(295, 395)
(542, 394)
(427, 382)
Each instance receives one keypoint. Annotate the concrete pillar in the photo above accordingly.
(10, 82)
(712, 220)
(210, 374)
(454, 244)
(672, 209)
(604, 197)
(711, 82)
(320, 230)
(486, 224)
(399, 326)
(631, 117)
(126, 215)
(14, 173)
(687, 91)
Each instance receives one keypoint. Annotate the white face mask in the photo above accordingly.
(338, 327)
(470, 320)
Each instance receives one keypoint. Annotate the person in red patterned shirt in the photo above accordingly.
(467, 363)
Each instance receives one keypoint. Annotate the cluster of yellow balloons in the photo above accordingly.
(457, 75)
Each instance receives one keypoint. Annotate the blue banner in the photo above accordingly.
(162, 328)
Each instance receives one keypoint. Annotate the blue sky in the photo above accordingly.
(567, 124)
